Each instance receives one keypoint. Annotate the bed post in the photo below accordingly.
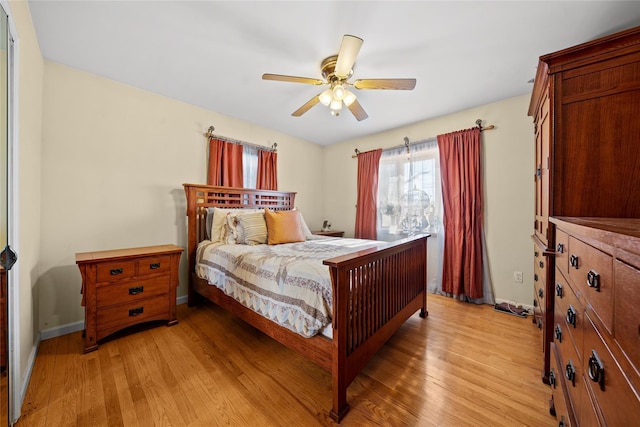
(340, 382)
(192, 216)
(423, 311)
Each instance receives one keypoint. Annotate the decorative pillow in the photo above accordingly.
(283, 227)
(252, 228)
(215, 226)
(233, 234)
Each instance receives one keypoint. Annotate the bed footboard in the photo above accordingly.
(375, 292)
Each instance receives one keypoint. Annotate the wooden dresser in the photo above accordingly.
(586, 109)
(124, 287)
(595, 357)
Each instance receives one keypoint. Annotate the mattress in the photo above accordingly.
(285, 283)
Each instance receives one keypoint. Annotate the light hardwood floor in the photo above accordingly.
(463, 365)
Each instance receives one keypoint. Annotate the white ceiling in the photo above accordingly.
(213, 53)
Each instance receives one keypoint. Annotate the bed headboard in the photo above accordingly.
(200, 197)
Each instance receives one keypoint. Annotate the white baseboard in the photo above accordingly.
(31, 361)
(58, 331)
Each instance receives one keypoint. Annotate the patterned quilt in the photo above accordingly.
(285, 283)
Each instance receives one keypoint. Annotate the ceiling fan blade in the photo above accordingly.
(294, 79)
(347, 56)
(392, 84)
(306, 107)
(357, 110)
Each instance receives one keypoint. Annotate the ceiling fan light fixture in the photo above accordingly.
(326, 97)
(336, 105)
(348, 98)
(338, 92)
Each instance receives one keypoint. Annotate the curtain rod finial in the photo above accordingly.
(479, 123)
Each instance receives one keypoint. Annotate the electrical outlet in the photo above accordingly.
(517, 276)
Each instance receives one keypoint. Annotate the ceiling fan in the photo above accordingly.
(336, 70)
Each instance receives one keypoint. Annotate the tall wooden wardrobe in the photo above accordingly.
(586, 110)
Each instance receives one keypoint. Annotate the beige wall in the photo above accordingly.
(114, 161)
(30, 72)
(508, 184)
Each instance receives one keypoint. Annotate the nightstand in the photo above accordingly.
(124, 287)
(332, 233)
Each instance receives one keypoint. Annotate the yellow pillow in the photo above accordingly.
(283, 227)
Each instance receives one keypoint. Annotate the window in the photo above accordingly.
(249, 166)
(409, 191)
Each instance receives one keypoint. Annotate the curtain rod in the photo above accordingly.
(407, 143)
(210, 134)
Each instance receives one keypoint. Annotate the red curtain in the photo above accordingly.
(225, 164)
(366, 208)
(267, 170)
(460, 156)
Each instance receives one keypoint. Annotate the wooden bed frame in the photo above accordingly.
(374, 290)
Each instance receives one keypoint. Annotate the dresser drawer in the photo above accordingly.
(591, 271)
(570, 367)
(153, 265)
(132, 313)
(559, 390)
(115, 271)
(626, 326)
(131, 291)
(568, 316)
(617, 401)
(562, 251)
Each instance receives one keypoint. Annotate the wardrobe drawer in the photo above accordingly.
(562, 251)
(115, 271)
(153, 265)
(568, 316)
(616, 399)
(133, 312)
(591, 271)
(130, 291)
(626, 326)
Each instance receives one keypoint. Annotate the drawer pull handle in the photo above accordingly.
(560, 248)
(541, 264)
(593, 280)
(558, 333)
(539, 324)
(540, 293)
(562, 422)
(573, 261)
(535, 302)
(535, 277)
(570, 373)
(559, 291)
(137, 290)
(116, 271)
(596, 370)
(571, 316)
(154, 265)
(536, 254)
(135, 311)
(552, 378)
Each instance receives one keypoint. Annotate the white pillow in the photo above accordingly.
(305, 229)
(215, 226)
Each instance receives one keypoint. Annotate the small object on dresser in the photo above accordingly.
(326, 225)
(125, 287)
